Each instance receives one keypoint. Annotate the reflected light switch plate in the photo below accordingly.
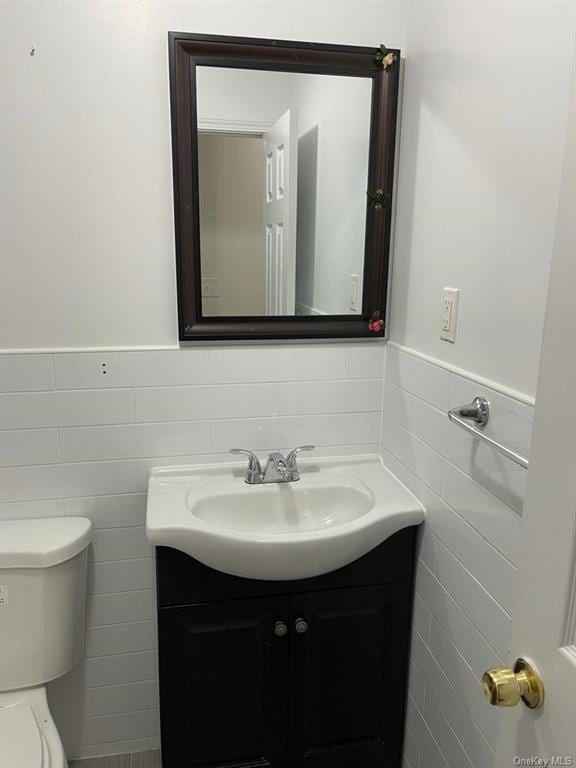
(354, 292)
(210, 287)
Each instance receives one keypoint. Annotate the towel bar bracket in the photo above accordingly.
(478, 411)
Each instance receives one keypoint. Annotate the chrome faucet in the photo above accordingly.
(279, 469)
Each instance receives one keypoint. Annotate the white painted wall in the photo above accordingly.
(86, 197)
(242, 95)
(484, 117)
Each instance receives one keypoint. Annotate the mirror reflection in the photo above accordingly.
(283, 174)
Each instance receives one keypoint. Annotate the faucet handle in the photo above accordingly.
(253, 460)
(291, 458)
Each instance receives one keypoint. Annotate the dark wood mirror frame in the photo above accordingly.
(381, 65)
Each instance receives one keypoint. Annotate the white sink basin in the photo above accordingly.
(288, 508)
(340, 509)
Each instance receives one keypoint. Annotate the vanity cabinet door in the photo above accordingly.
(348, 677)
(223, 684)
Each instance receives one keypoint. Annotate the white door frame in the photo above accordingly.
(232, 125)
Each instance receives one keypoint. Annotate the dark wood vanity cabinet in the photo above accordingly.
(285, 674)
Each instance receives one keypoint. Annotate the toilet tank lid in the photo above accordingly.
(42, 542)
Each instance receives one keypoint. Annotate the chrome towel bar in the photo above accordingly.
(478, 411)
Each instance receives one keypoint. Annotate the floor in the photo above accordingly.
(150, 759)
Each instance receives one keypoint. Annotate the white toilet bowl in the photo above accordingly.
(28, 735)
(42, 619)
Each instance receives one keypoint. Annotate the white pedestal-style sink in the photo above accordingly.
(339, 510)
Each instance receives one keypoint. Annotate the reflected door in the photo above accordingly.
(280, 214)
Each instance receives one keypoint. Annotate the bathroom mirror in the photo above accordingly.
(283, 157)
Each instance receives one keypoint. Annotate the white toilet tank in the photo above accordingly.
(42, 598)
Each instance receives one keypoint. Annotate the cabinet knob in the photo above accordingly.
(300, 626)
(280, 629)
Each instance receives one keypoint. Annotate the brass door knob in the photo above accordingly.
(505, 687)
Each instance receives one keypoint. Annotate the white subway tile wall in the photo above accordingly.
(79, 433)
(468, 549)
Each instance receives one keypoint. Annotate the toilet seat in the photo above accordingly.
(28, 735)
(22, 744)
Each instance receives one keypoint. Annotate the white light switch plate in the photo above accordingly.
(449, 314)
